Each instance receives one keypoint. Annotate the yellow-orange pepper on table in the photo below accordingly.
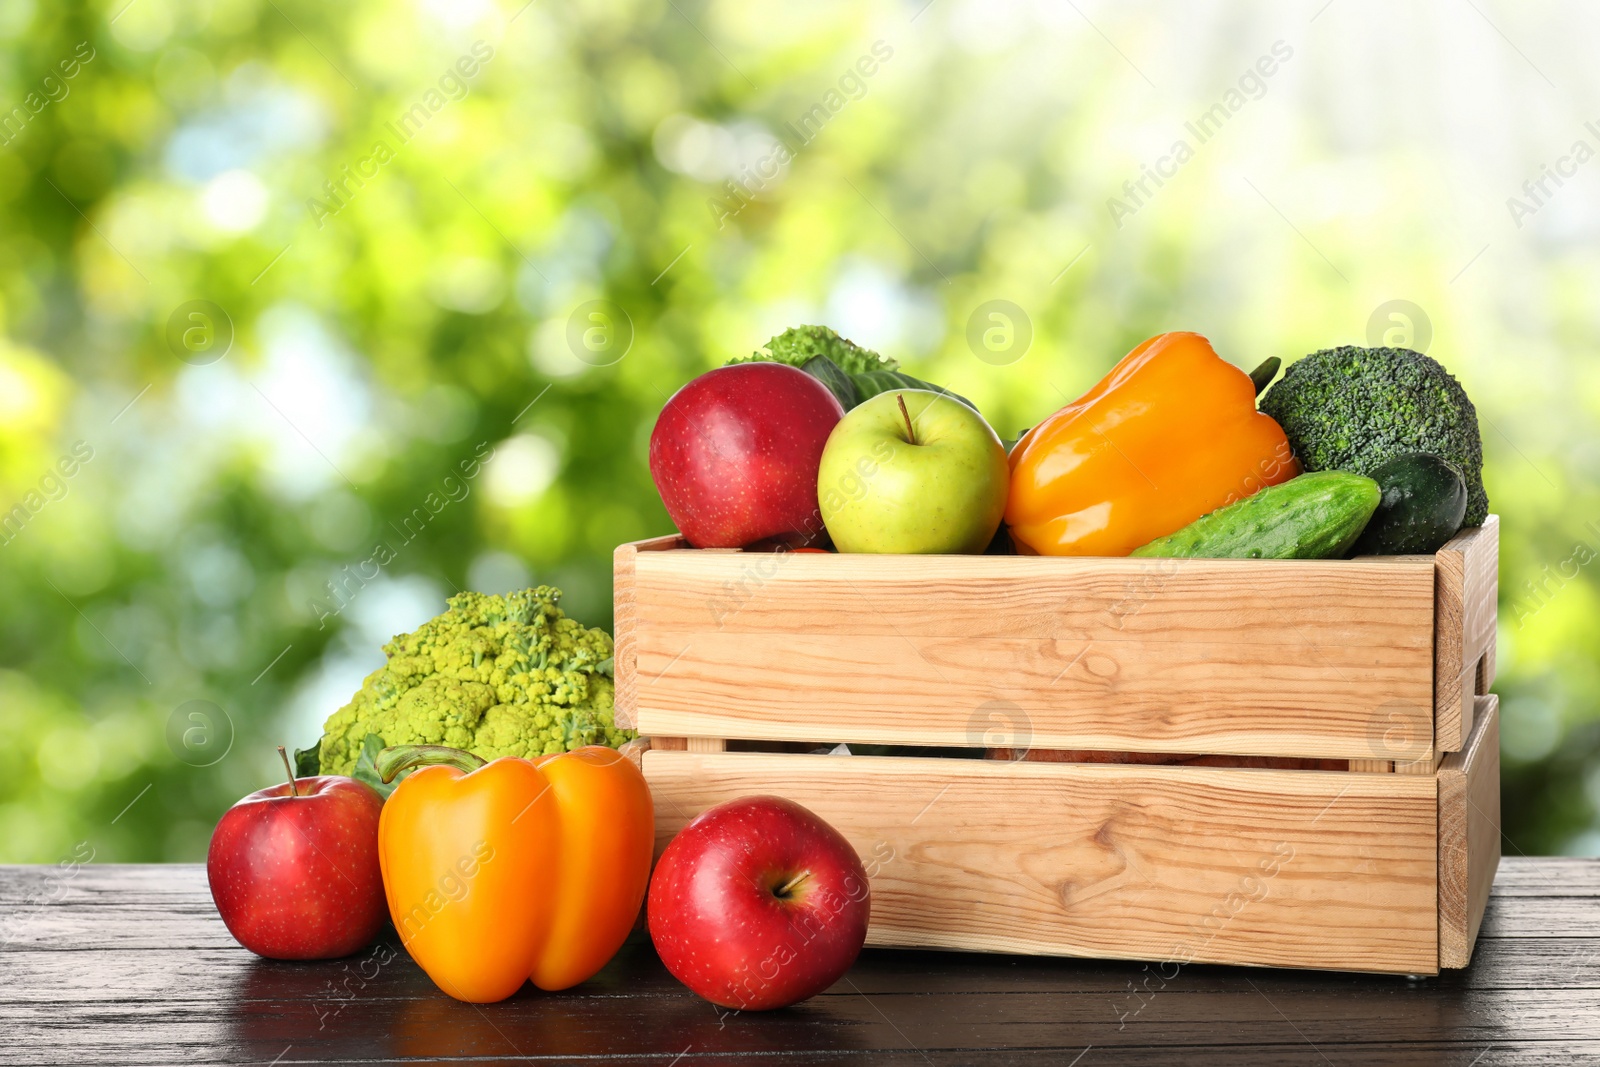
(1170, 434)
(516, 869)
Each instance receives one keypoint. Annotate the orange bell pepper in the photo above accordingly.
(1170, 434)
(513, 870)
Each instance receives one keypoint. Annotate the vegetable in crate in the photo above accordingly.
(1170, 434)
(1356, 408)
(1314, 516)
(1424, 500)
(494, 675)
(854, 374)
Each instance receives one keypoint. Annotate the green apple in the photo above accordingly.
(912, 471)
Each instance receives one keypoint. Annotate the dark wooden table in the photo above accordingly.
(130, 965)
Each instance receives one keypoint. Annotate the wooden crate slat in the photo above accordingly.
(1219, 697)
(1466, 589)
(1373, 602)
(1285, 868)
(1469, 834)
(624, 621)
(1330, 659)
(623, 626)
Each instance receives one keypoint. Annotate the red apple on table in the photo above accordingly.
(294, 869)
(758, 904)
(735, 453)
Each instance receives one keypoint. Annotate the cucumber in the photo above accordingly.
(1313, 516)
(1424, 500)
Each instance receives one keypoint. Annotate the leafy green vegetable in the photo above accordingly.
(494, 675)
(851, 373)
(366, 769)
(798, 344)
(307, 762)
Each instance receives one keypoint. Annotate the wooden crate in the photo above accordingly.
(1381, 663)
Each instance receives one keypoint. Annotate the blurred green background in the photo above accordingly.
(372, 316)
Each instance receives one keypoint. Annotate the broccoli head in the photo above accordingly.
(799, 343)
(495, 675)
(1353, 409)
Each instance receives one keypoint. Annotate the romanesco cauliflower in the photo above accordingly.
(495, 675)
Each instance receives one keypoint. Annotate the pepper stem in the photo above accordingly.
(911, 433)
(285, 757)
(1262, 376)
(396, 758)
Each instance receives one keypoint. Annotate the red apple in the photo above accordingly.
(735, 454)
(758, 904)
(294, 869)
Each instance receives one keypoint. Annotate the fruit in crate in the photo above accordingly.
(912, 471)
(758, 903)
(735, 454)
(294, 868)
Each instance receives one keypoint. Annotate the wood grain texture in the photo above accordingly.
(1421, 766)
(1263, 601)
(635, 749)
(624, 616)
(1330, 659)
(1215, 698)
(1466, 590)
(624, 660)
(126, 965)
(1284, 868)
(1091, 755)
(1469, 834)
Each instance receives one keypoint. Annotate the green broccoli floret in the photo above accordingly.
(495, 675)
(1353, 409)
(799, 343)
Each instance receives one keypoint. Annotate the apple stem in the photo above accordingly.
(911, 433)
(285, 756)
(788, 887)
